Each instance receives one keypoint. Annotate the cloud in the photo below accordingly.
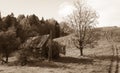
(109, 11)
(65, 9)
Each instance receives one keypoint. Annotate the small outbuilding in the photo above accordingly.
(41, 47)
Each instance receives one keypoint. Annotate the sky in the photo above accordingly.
(108, 10)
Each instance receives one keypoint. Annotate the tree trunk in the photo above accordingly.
(6, 55)
(6, 59)
(1, 58)
(81, 51)
(50, 47)
(50, 54)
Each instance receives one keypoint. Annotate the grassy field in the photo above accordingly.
(95, 60)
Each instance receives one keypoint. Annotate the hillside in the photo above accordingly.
(95, 60)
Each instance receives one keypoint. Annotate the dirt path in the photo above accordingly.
(114, 64)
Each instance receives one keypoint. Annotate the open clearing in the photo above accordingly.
(96, 60)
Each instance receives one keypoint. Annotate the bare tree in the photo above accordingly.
(83, 20)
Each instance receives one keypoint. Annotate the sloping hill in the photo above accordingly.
(66, 40)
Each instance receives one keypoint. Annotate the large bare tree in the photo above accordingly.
(83, 20)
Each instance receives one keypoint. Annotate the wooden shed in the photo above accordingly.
(39, 47)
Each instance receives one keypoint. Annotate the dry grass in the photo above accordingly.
(95, 60)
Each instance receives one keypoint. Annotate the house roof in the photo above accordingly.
(35, 42)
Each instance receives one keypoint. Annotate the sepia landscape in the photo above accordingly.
(81, 38)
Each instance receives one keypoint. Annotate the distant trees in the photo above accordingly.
(53, 25)
(27, 27)
(83, 20)
(65, 29)
(31, 26)
(10, 21)
(20, 17)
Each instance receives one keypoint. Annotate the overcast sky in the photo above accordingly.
(109, 10)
